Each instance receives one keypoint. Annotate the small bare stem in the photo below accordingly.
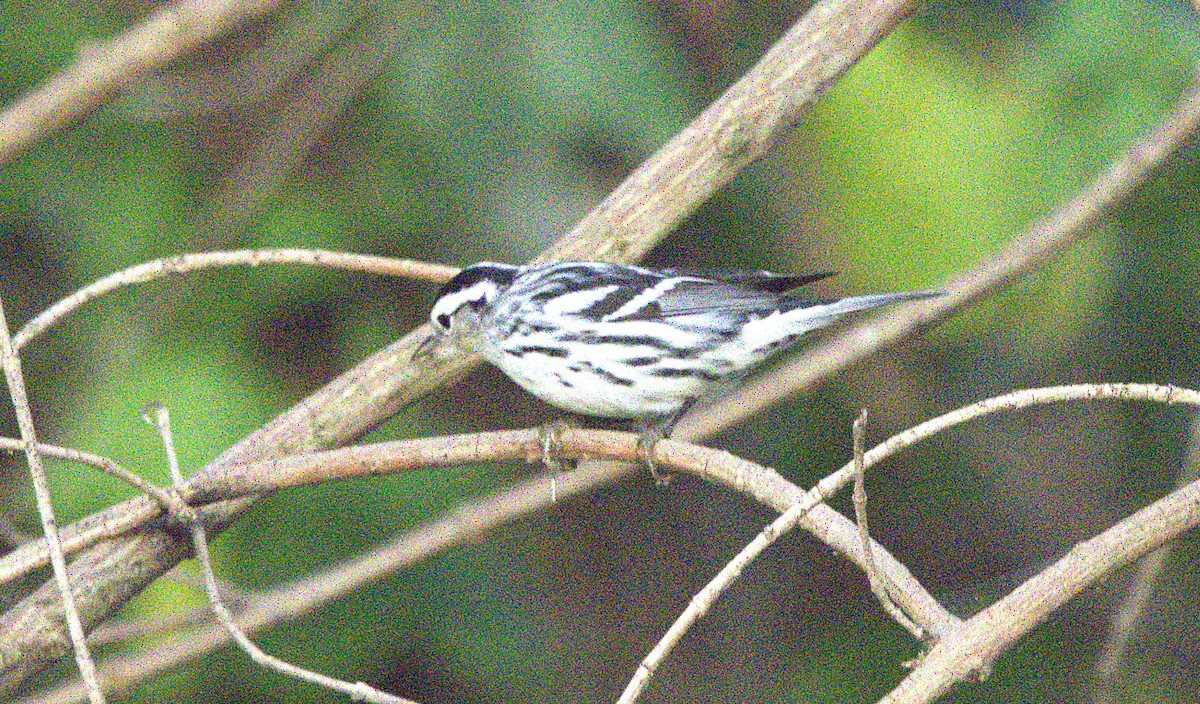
(878, 581)
(45, 505)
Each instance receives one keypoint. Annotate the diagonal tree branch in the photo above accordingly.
(1031, 250)
(732, 132)
(102, 69)
(995, 629)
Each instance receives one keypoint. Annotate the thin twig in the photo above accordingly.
(101, 69)
(104, 464)
(1134, 604)
(473, 520)
(702, 602)
(470, 522)
(187, 263)
(45, 506)
(763, 484)
(369, 460)
(396, 456)
(1013, 401)
(876, 578)
(160, 418)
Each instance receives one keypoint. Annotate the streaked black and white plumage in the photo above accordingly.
(621, 341)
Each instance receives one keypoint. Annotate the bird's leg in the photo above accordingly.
(650, 437)
(645, 447)
(550, 436)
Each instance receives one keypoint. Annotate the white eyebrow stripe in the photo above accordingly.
(579, 300)
(643, 299)
(478, 291)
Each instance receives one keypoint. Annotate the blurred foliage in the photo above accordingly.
(486, 130)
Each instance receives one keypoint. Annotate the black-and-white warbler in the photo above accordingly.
(621, 341)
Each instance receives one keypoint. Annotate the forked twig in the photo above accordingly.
(160, 418)
(104, 464)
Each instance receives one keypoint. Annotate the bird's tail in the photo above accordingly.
(798, 316)
(853, 304)
(807, 314)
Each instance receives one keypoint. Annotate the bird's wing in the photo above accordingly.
(691, 295)
(614, 292)
(758, 280)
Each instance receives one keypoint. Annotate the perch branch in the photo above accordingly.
(473, 520)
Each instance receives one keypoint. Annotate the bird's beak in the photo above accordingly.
(427, 346)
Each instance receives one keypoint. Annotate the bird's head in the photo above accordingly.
(457, 313)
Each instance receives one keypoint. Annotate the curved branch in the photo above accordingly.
(761, 483)
(187, 263)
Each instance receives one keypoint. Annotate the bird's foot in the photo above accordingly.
(645, 447)
(550, 437)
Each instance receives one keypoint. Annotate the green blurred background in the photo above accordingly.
(475, 130)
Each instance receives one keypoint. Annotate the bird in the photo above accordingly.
(627, 342)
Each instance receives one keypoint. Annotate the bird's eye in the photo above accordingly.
(444, 321)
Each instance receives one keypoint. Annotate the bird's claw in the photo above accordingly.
(645, 448)
(550, 438)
